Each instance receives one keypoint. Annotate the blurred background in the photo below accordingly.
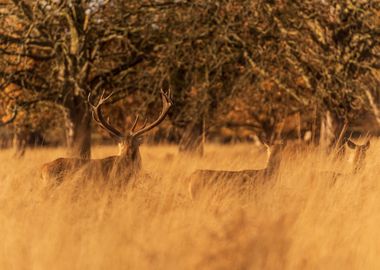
(238, 70)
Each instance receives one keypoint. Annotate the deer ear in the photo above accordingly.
(264, 140)
(367, 145)
(351, 144)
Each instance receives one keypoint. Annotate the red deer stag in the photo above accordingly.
(123, 166)
(201, 180)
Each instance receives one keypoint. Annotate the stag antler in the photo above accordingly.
(166, 104)
(99, 118)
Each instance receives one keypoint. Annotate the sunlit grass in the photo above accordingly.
(301, 220)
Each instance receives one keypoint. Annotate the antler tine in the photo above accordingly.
(99, 118)
(166, 104)
(134, 123)
(103, 99)
(368, 136)
(168, 96)
(145, 122)
(93, 108)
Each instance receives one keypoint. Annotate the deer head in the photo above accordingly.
(130, 141)
(274, 153)
(359, 154)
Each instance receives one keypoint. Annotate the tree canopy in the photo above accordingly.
(250, 62)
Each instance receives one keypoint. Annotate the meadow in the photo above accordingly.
(300, 220)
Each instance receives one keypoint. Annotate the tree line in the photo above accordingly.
(229, 63)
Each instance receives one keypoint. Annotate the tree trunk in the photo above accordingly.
(19, 142)
(192, 139)
(327, 132)
(79, 141)
(69, 128)
(316, 126)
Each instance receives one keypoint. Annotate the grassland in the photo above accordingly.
(298, 221)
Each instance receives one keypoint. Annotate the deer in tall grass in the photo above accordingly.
(123, 166)
(202, 179)
(344, 146)
(357, 154)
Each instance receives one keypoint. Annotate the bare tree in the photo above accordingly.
(305, 56)
(60, 51)
(263, 60)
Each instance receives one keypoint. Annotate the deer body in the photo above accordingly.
(57, 169)
(203, 179)
(120, 167)
(113, 167)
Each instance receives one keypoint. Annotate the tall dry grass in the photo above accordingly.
(299, 221)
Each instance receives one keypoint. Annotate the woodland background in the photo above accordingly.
(236, 68)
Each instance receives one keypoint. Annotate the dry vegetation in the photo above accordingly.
(299, 221)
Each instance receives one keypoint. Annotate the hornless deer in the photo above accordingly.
(123, 166)
(358, 155)
(203, 179)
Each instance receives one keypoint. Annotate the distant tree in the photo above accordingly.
(61, 51)
(251, 61)
(276, 58)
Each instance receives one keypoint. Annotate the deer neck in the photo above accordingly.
(358, 160)
(130, 158)
(274, 160)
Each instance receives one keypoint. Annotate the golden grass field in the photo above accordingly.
(298, 221)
